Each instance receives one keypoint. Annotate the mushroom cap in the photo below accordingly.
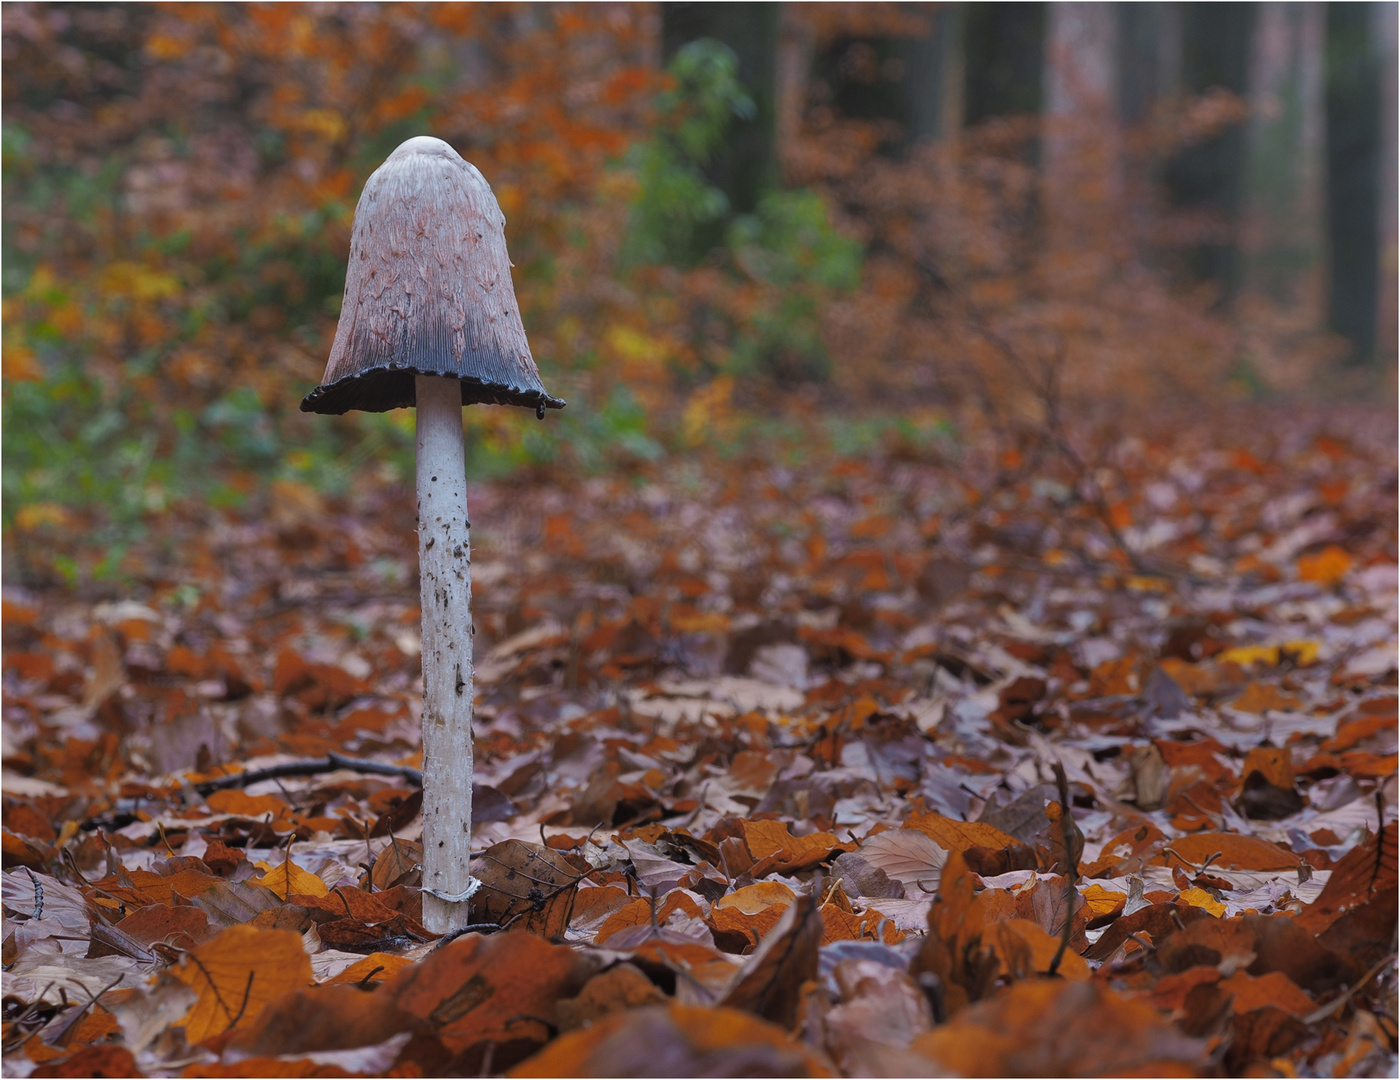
(428, 292)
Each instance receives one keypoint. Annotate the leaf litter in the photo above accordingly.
(766, 778)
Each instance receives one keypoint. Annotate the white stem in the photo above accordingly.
(444, 566)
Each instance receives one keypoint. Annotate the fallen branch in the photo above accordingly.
(311, 767)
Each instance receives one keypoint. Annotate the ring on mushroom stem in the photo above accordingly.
(430, 321)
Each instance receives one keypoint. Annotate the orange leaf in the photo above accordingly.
(752, 899)
(496, 988)
(838, 925)
(236, 974)
(1039, 949)
(953, 835)
(1273, 763)
(376, 967)
(245, 805)
(1326, 567)
(1028, 1022)
(1236, 852)
(1272, 989)
(288, 879)
(676, 1040)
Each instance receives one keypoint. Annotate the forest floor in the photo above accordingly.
(772, 757)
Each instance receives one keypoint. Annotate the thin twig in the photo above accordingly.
(1071, 868)
(311, 767)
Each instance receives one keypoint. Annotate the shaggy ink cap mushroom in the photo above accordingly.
(428, 292)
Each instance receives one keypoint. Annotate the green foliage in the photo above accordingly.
(591, 438)
(880, 434)
(790, 241)
(787, 248)
(675, 217)
(790, 246)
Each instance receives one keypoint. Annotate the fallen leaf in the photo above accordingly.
(236, 974)
(1058, 1028)
(287, 878)
(908, 856)
(1232, 851)
(1271, 990)
(675, 1040)
(526, 886)
(770, 982)
(1326, 567)
(1360, 874)
(617, 989)
(376, 967)
(491, 989)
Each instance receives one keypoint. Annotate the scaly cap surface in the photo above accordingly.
(428, 292)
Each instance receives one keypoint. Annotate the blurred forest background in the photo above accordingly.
(898, 223)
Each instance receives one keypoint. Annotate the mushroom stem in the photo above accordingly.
(444, 561)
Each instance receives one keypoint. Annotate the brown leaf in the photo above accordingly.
(778, 851)
(1126, 853)
(953, 835)
(90, 1061)
(747, 915)
(527, 883)
(770, 982)
(618, 988)
(1261, 1035)
(181, 926)
(953, 962)
(230, 903)
(1273, 989)
(869, 925)
(1258, 944)
(499, 988)
(860, 878)
(240, 803)
(1360, 874)
(376, 967)
(675, 1040)
(593, 906)
(1232, 851)
(1056, 1028)
(1158, 921)
(1366, 933)
(401, 863)
(321, 1018)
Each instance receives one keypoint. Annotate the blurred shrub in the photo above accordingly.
(758, 311)
(678, 214)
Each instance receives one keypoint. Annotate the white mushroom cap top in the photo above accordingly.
(428, 292)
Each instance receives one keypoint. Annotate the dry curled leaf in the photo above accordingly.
(526, 886)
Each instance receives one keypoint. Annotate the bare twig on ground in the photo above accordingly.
(311, 767)
(1071, 868)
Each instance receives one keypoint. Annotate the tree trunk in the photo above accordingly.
(1353, 176)
(1081, 145)
(1004, 54)
(792, 70)
(1281, 236)
(1388, 325)
(1149, 76)
(934, 77)
(444, 567)
(1207, 177)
